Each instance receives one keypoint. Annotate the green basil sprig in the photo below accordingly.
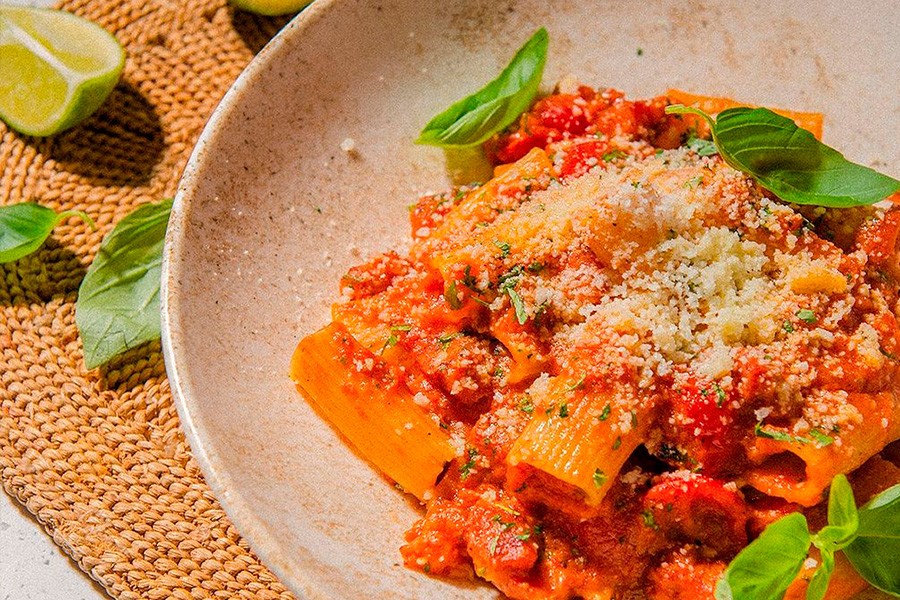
(474, 119)
(118, 301)
(24, 228)
(790, 161)
(869, 536)
(764, 569)
(875, 552)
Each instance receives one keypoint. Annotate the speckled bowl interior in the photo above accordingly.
(272, 210)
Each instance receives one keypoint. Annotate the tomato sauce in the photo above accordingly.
(679, 509)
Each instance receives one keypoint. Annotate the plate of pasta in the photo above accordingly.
(531, 300)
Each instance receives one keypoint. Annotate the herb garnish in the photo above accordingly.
(576, 385)
(451, 295)
(720, 395)
(445, 339)
(118, 301)
(815, 436)
(806, 315)
(507, 285)
(474, 119)
(701, 146)
(24, 228)
(869, 536)
(392, 339)
(466, 468)
(604, 414)
(649, 520)
(790, 161)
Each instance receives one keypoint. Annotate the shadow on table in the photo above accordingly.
(119, 145)
(256, 30)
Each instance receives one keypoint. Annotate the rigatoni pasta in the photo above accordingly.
(607, 368)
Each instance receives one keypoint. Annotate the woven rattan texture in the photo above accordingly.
(99, 456)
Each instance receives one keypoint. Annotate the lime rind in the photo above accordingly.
(54, 39)
(271, 8)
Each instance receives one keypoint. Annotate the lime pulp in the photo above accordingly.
(58, 68)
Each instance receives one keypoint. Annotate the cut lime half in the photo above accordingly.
(57, 68)
(271, 7)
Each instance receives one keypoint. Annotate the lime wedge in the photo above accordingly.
(271, 7)
(57, 68)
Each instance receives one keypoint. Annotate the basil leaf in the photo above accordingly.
(843, 522)
(118, 301)
(875, 551)
(474, 119)
(790, 161)
(843, 518)
(818, 585)
(701, 146)
(518, 305)
(765, 568)
(24, 228)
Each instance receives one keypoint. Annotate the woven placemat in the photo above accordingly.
(99, 456)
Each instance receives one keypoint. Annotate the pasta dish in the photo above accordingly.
(607, 369)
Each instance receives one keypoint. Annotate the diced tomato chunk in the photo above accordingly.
(703, 430)
(564, 113)
(694, 507)
(580, 157)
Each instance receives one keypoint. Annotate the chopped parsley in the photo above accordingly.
(821, 438)
(492, 545)
(518, 305)
(506, 284)
(504, 248)
(720, 395)
(806, 315)
(445, 340)
(701, 146)
(694, 182)
(815, 436)
(599, 478)
(466, 469)
(563, 410)
(604, 414)
(672, 453)
(452, 296)
(649, 520)
(469, 280)
(509, 279)
(390, 342)
(577, 385)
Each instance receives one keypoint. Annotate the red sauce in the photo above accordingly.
(667, 530)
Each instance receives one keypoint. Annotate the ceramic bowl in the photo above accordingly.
(273, 208)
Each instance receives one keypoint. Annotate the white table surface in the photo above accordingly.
(32, 567)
